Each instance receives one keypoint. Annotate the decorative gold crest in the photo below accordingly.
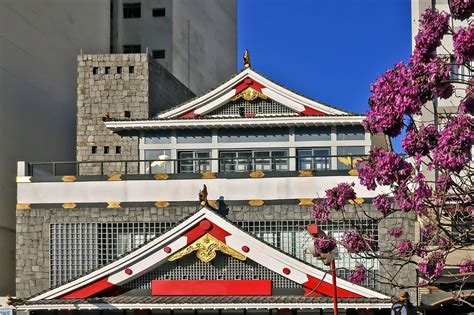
(357, 201)
(257, 174)
(68, 178)
(206, 247)
(249, 94)
(161, 176)
(306, 173)
(256, 202)
(306, 202)
(114, 177)
(162, 204)
(208, 175)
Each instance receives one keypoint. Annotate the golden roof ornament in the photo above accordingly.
(247, 59)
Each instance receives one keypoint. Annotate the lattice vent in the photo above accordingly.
(257, 107)
(223, 267)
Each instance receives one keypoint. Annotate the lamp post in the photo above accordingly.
(327, 258)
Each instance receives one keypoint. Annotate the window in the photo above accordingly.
(132, 49)
(312, 133)
(119, 70)
(107, 70)
(350, 133)
(314, 159)
(159, 12)
(254, 135)
(118, 150)
(127, 114)
(194, 136)
(95, 70)
(158, 137)
(157, 162)
(253, 160)
(132, 10)
(94, 149)
(106, 150)
(348, 157)
(194, 161)
(158, 54)
(131, 69)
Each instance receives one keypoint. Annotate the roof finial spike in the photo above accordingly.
(247, 59)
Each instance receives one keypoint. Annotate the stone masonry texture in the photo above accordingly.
(33, 233)
(108, 86)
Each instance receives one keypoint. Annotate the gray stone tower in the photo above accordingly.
(119, 86)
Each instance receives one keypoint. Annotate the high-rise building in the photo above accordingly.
(39, 43)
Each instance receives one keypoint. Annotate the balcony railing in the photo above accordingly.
(198, 165)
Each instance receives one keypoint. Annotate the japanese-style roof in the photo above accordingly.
(248, 86)
(157, 251)
(204, 302)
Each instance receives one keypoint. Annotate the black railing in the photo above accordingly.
(198, 165)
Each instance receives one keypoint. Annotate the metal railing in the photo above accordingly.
(195, 165)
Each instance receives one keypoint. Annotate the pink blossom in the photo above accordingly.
(433, 26)
(413, 198)
(427, 231)
(467, 106)
(382, 204)
(420, 142)
(395, 232)
(324, 244)
(461, 9)
(433, 266)
(320, 212)
(337, 197)
(358, 275)
(454, 144)
(467, 266)
(405, 248)
(356, 243)
(464, 44)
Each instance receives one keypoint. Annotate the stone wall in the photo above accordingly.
(33, 233)
(116, 86)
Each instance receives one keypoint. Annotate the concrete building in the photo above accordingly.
(264, 153)
(39, 43)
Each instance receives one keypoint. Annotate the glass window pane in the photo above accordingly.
(312, 133)
(348, 157)
(194, 136)
(156, 162)
(350, 133)
(158, 137)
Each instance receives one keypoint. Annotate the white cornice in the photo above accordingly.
(235, 122)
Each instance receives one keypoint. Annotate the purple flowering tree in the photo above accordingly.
(433, 181)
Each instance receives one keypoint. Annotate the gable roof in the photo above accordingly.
(158, 251)
(248, 78)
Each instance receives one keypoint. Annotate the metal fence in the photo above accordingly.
(199, 165)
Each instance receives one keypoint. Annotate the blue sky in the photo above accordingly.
(326, 49)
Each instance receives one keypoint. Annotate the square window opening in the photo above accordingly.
(158, 54)
(132, 10)
(159, 12)
(118, 150)
(94, 149)
(131, 69)
(132, 49)
(127, 114)
(95, 70)
(107, 70)
(106, 150)
(119, 70)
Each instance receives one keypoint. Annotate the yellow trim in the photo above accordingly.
(306, 202)
(208, 175)
(113, 204)
(115, 177)
(161, 176)
(257, 174)
(23, 206)
(353, 172)
(357, 201)
(69, 205)
(256, 202)
(306, 173)
(68, 178)
(23, 179)
(162, 204)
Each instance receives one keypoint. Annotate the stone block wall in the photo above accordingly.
(116, 86)
(33, 233)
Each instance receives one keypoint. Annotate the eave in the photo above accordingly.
(256, 122)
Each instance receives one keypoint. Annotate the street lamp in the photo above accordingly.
(327, 258)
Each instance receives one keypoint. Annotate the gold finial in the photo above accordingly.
(203, 196)
(247, 59)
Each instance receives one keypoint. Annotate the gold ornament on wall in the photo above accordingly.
(206, 248)
(249, 94)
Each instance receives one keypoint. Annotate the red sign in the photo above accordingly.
(211, 287)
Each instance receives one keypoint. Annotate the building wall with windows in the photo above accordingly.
(195, 40)
(58, 244)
